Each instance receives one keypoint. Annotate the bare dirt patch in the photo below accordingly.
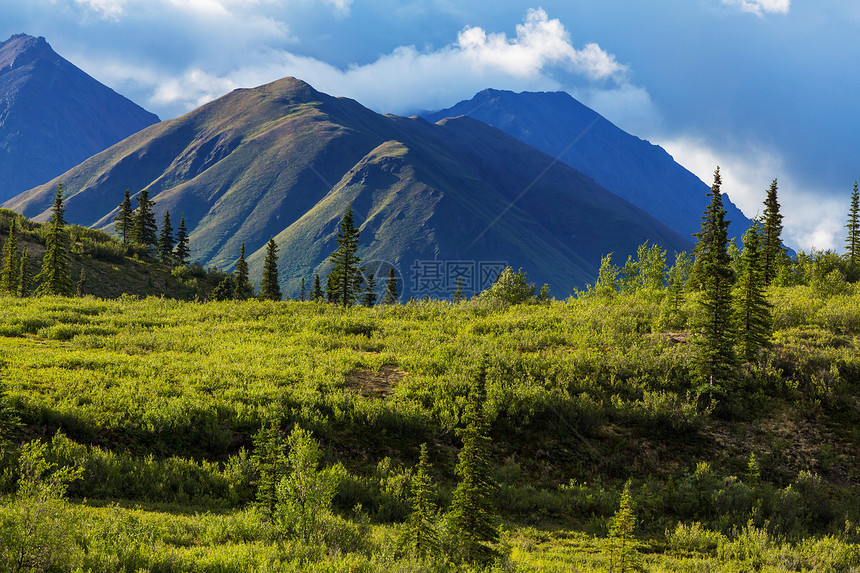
(375, 384)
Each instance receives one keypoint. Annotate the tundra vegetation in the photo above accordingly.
(508, 432)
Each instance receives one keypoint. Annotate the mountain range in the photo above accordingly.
(284, 160)
(632, 168)
(53, 116)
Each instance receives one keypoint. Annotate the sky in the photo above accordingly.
(763, 88)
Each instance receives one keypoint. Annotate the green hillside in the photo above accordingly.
(157, 403)
(110, 269)
(283, 160)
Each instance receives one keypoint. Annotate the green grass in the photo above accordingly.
(157, 400)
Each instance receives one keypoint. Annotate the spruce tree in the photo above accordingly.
(472, 515)
(25, 286)
(145, 227)
(458, 295)
(346, 272)
(243, 289)
(422, 538)
(369, 298)
(181, 252)
(224, 290)
(54, 277)
(331, 294)
(773, 253)
(390, 296)
(622, 530)
(302, 292)
(751, 309)
(269, 287)
(10, 277)
(166, 241)
(852, 241)
(716, 354)
(125, 219)
(317, 292)
(271, 460)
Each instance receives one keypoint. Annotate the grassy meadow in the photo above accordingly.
(151, 407)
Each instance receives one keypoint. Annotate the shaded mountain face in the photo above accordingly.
(436, 201)
(632, 168)
(53, 115)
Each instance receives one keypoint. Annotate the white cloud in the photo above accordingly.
(341, 7)
(760, 7)
(540, 57)
(539, 42)
(812, 217)
(109, 9)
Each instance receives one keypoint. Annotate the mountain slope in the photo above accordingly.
(284, 160)
(53, 115)
(632, 168)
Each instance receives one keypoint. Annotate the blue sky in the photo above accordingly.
(764, 88)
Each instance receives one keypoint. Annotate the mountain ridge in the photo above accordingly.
(283, 160)
(632, 168)
(53, 116)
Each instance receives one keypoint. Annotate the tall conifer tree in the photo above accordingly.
(346, 272)
(852, 242)
(125, 219)
(54, 277)
(390, 296)
(25, 287)
(181, 252)
(751, 308)
(369, 297)
(145, 227)
(10, 277)
(166, 241)
(317, 292)
(773, 253)
(269, 287)
(716, 354)
(243, 288)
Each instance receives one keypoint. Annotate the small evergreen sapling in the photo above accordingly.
(472, 516)
(422, 537)
(622, 531)
(306, 491)
(271, 461)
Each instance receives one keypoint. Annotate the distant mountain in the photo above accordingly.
(632, 168)
(284, 160)
(53, 115)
